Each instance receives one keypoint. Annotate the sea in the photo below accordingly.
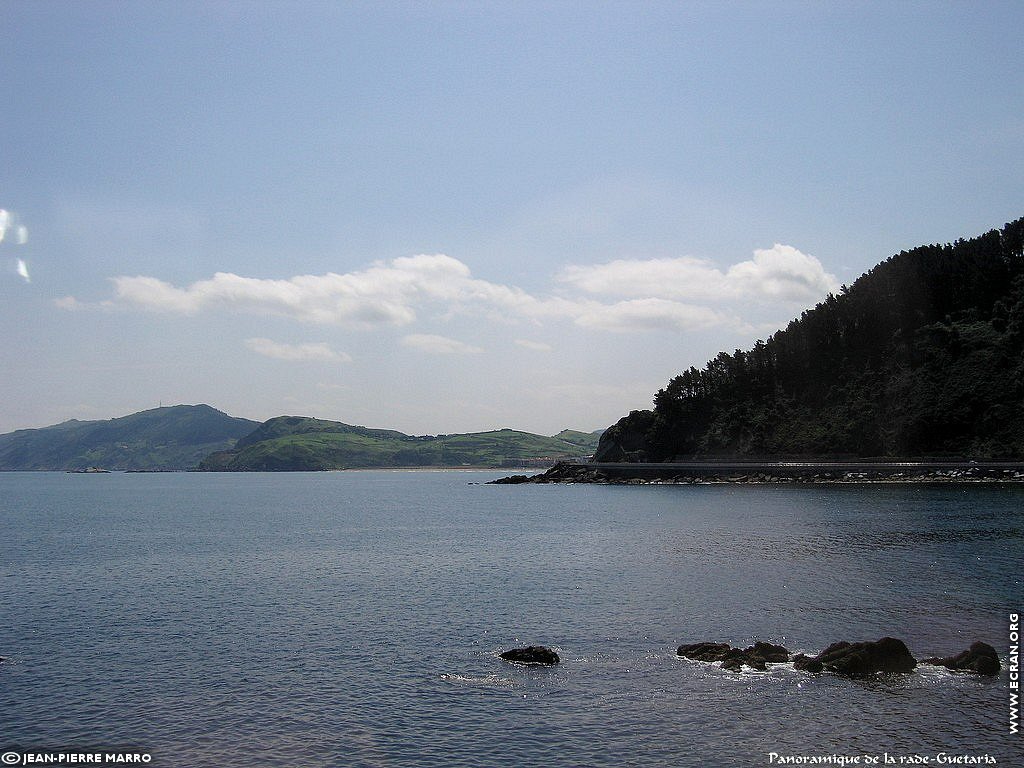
(356, 619)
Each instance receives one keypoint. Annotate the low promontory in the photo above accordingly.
(712, 472)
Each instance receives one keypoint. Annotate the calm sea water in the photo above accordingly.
(354, 618)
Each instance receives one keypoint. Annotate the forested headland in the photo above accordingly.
(923, 356)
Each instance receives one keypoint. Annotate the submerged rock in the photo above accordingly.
(885, 655)
(980, 657)
(534, 654)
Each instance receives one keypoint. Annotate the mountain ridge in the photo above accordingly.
(167, 438)
(298, 443)
(186, 437)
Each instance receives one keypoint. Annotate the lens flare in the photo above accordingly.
(14, 232)
(10, 223)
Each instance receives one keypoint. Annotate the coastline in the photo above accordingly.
(803, 472)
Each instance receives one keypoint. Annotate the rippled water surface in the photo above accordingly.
(354, 619)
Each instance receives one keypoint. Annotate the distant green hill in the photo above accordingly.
(171, 438)
(296, 443)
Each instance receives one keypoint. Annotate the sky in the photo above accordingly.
(445, 217)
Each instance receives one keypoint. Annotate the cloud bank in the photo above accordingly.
(438, 345)
(777, 273)
(533, 346)
(680, 294)
(311, 352)
(384, 294)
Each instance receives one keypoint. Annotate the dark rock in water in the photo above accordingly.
(755, 657)
(755, 662)
(733, 664)
(806, 663)
(885, 655)
(513, 480)
(980, 657)
(534, 654)
(704, 651)
(776, 654)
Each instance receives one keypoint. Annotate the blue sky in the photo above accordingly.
(442, 217)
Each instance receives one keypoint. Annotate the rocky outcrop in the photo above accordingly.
(773, 472)
(756, 656)
(511, 480)
(626, 440)
(534, 654)
(980, 658)
(885, 655)
(807, 663)
(705, 651)
(562, 472)
(769, 652)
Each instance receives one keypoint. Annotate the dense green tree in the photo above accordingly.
(921, 356)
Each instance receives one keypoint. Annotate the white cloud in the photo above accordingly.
(783, 272)
(535, 346)
(778, 273)
(680, 294)
(22, 269)
(438, 345)
(327, 298)
(69, 303)
(384, 294)
(311, 352)
(652, 314)
(685, 276)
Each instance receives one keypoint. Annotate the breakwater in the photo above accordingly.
(703, 472)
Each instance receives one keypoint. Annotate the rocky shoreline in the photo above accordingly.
(710, 473)
(887, 655)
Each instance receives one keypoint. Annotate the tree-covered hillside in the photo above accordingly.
(296, 443)
(172, 438)
(921, 356)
